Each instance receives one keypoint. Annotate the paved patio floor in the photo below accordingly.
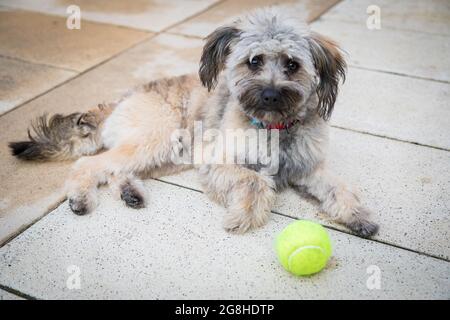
(390, 136)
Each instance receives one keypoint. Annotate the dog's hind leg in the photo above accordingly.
(142, 135)
(89, 172)
(117, 166)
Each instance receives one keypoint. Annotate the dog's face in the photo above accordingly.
(273, 67)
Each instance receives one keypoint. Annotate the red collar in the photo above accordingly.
(279, 126)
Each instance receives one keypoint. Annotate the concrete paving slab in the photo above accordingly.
(423, 16)
(225, 12)
(34, 187)
(140, 14)
(5, 295)
(45, 39)
(394, 106)
(177, 249)
(21, 81)
(397, 51)
(405, 185)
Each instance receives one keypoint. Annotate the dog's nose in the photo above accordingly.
(270, 97)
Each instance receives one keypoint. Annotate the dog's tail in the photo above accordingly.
(63, 137)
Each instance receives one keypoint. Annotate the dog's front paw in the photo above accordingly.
(236, 226)
(241, 222)
(363, 228)
(361, 225)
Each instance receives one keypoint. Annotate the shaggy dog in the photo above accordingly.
(264, 72)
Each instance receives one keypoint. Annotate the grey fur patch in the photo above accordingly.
(293, 162)
(223, 101)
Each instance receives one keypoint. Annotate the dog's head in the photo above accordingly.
(273, 66)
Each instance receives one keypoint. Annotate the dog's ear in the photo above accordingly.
(215, 53)
(331, 67)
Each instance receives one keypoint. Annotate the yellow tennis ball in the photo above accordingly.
(303, 247)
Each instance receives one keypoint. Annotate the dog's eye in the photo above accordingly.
(255, 62)
(292, 66)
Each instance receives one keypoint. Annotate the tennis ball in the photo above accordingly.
(303, 247)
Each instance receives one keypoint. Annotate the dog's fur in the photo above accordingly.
(137, 132)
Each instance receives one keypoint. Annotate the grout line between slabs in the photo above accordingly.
(192, 16)
(17, 293)
(324, 11)
(390, 138)
(405, 75)
(29, 225)
(391, 27)
(39, 63)
(190, 36)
